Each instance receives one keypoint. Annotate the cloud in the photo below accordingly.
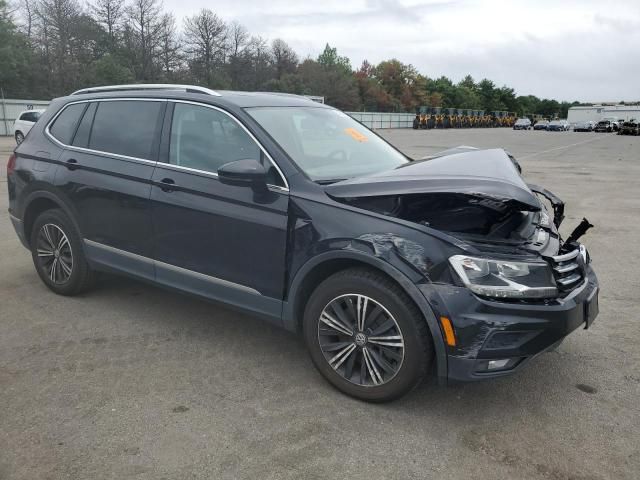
(570, 49)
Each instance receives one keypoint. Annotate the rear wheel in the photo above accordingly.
(366, 337)
(57, 254)
(19, 138)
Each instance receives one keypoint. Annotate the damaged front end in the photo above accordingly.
(476, 195)
(515, 288)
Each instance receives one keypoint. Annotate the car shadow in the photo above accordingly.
(212, 324)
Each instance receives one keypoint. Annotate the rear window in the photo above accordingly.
(65, 125)
(126, 127)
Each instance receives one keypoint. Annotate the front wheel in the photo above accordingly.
(57, 254)
(19, 138)
(366, 337)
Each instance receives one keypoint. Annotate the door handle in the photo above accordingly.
(72, 164)
(167, 185)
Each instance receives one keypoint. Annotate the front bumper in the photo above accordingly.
(495, 330)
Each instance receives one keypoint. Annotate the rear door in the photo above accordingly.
(106, 177)
(221, 241)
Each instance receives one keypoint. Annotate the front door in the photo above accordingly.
(221, 241)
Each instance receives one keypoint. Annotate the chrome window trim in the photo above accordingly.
(260, 146)
(175, 268)
(50, 136)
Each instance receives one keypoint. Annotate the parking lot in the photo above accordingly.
(131, 381)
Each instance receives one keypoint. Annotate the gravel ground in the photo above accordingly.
(130, 381)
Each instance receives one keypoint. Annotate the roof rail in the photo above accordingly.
(147, 86)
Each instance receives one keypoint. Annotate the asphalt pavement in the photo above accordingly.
(132, 381)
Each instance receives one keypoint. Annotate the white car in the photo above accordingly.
(24, 122)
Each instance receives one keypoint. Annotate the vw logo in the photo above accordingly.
(361, 339)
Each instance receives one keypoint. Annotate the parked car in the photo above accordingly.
(604, 126)
(584, 126)
(541, 125)
(24, 122)
(391, 268)
(558, 126)
(615, 123)
(632, 127)
(522, 124)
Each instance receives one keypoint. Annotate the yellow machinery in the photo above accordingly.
(436, 117)
(421, 118)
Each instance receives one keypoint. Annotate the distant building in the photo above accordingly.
(598, 112)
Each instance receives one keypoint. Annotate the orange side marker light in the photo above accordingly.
(447, 328)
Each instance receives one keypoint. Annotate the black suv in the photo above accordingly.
(392, 268)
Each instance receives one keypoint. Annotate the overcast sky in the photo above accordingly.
(564, 49)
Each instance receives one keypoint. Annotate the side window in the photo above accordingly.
(82, 135)
(205, 139)
(126, 127)
(65, 125)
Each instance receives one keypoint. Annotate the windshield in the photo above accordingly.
(556, 122)
(520, 121)
(327, 144)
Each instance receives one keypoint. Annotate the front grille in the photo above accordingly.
(567, 270)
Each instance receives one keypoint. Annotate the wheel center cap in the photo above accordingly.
(56, 253)
(361, 339)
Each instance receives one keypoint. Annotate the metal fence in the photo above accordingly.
(384, 120)
(11, 108)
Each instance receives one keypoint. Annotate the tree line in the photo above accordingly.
(49, 48)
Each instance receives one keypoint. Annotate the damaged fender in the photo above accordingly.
(394, 253)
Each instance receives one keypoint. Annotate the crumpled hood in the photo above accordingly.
(489, 175)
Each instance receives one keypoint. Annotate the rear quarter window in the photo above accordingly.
(64, 126)
(126, 127)
(82, 134)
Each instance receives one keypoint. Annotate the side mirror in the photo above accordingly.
(243, 172)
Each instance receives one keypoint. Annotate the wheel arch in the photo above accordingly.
(41, 201)
(328, 263)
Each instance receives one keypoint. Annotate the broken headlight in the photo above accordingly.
(505, 278)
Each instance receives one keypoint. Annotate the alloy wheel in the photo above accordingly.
(361, 340)
(55, 256)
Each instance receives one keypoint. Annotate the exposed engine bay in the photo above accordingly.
(463, 191)
(449, 212)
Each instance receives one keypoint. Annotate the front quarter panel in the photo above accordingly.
(322, 232)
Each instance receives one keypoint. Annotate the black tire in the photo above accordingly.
(19, 137)
(47, 235)
(417, 349)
